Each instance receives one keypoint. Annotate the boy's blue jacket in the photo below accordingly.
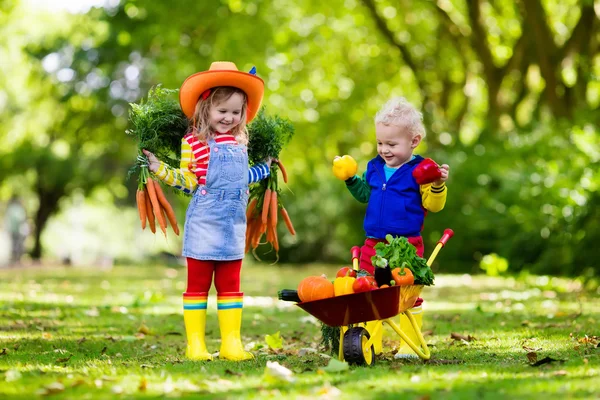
(394, 206)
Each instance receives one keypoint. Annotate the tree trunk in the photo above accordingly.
(48, 207)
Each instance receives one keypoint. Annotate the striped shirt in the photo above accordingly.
(193, 167)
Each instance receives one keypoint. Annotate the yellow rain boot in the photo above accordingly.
(194, 317)
(229, 309)
(377, 341)
(405, 351)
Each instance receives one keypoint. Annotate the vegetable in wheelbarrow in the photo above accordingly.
(399, 253)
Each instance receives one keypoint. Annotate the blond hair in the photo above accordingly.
(200, 122)
(398, 111)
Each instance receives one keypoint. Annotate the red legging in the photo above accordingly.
(200, 275)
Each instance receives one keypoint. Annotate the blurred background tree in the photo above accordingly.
(509, 91)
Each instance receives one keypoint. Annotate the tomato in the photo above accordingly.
(364, 284)
(346, 271)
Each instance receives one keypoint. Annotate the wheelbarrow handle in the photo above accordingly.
(355, 257)
(448, 233)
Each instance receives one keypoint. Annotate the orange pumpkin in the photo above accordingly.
(315, 288)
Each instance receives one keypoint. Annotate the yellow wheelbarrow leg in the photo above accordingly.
(375, 329)
(404, 351)
(343, 330)
(424, 351)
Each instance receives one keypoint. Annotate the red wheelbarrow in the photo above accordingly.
(351, 312)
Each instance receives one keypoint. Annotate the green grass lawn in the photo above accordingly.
(79, 333)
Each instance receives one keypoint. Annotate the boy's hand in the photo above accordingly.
(153, 161)
(344, 167)
(445, 171)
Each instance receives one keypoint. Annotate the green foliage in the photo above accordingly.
(268, 135)
(493, 265)
(521, 140)
(399, 253)
(158, 124)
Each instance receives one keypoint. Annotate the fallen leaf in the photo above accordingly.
(545, 360)
(12, 375)
(230, 372)
(103, 350)
(307, 350)
(274, 341)
(4, 352)
(83, 339)
(458, 336)
(52, 388)
(532, 356)
(78, 382)
(561, 372)
(143, 385)
(174, 333)
(46, 335)
(117, 389)
(336, 365)
(144, 329)
(63, 360)
(276, 372)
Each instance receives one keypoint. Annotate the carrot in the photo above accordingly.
(269, 230)
(257, 235)
(251, 228)
(283, 171)
(273, 205)
(140, 199)
(251, 208)
(265, 208)
(167, 207)
(275, 241)
(288, 221)
(149, 212)
(156, 205)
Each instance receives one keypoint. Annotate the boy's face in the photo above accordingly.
(394, 144)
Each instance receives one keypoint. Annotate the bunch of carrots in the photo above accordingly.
(263, 209)
(152, 204)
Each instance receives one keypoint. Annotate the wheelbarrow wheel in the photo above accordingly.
(355, 349)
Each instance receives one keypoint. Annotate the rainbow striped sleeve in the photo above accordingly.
(180, 178)
(195, 301)
(229, 301)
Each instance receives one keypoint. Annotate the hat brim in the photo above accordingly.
(196, 84)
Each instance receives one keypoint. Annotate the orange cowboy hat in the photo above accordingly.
(222, 73)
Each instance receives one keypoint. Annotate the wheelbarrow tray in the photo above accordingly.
(364, 306)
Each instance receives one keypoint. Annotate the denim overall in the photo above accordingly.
(215, 220)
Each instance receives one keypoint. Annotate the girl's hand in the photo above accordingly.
(270, 160)
(153, 161)
(445, 170)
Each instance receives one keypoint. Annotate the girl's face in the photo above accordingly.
(226, 115)
(394, 144)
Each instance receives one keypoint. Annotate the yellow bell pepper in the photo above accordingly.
(343, 285)
(344, 167)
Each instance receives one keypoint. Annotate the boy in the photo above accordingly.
(396, 203)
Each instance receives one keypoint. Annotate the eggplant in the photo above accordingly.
(383, 275)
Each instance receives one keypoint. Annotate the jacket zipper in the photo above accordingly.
(382, 195)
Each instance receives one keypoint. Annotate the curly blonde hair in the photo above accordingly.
(398, 111)
(200, 121)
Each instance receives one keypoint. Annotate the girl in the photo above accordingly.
(214, 167)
